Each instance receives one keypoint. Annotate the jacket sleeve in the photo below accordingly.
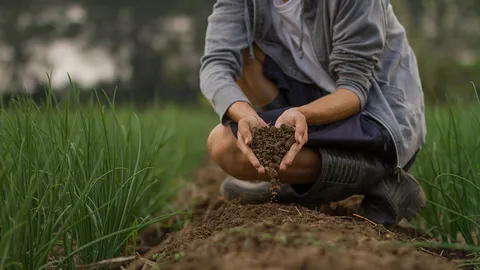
(359, 36)
(221, 64)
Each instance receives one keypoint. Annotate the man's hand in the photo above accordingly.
(297, 120)
(245, 137)
(247, 119)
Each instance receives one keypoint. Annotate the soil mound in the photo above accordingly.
(273, 236)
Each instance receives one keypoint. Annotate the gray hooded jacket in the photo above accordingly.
(360, 43)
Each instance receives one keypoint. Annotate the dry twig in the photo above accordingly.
(366, 219)
(432, 253)
(106, 262)
(299, 213)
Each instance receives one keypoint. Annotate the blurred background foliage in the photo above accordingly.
(149, 50)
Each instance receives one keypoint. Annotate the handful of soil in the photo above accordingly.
(270, 145)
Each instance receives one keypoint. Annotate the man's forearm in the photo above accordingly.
(337, 106)
(239, 110)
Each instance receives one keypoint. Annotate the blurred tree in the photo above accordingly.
(156, 44)
(446, 40)
(133, 32)
(417, 9)
(21, 27)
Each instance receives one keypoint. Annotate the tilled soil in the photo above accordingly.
(272, 236)
(282, 237)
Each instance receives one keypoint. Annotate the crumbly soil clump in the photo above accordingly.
(270, 145)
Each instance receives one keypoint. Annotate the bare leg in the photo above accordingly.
(222, 146)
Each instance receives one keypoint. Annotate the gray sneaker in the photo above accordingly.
(394, 198)
(253, 193)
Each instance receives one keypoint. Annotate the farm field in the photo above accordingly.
(97, 186)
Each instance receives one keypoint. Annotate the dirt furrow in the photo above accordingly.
(272, 236)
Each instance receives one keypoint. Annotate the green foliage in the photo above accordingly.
(444, 77)
(78, 182)
(449, 170)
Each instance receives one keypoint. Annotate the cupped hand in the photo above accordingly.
(245, 137)
(293, 118)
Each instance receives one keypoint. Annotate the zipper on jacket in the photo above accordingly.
(398, 168)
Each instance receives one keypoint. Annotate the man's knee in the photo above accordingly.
(220, 142)
(222, 147)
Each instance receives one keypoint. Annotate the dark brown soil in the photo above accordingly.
(321, 243)
(270, 145)
(272, 236)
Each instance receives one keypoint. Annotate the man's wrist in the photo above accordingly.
(305, 110)
(239, 110)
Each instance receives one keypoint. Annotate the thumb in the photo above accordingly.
(279, 122)
(301, 129)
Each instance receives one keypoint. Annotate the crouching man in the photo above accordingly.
(341, 72)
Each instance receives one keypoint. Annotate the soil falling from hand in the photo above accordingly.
(270, 145)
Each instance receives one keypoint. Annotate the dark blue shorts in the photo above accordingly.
(357, 133)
